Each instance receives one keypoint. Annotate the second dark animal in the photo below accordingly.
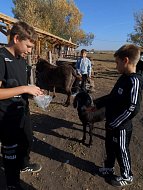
(50, 77)
(88, 113)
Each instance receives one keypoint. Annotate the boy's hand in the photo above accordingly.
(33, 90)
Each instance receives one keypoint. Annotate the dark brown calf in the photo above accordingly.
(50, 76)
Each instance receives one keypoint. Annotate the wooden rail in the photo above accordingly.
(9, 21)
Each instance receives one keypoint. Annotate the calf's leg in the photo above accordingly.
(84, 133)
(67, 103)
(68, 92)
(90, 134)
(54, 92)
(68, 86)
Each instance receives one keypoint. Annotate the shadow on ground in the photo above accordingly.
(46, 124)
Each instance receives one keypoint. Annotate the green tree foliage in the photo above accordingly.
(137, 36)
(59, 17)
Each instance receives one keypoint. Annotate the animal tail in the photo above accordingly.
(75, 74)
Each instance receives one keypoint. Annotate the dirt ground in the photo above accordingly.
(67, 164)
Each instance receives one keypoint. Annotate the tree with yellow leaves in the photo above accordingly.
(59, 17)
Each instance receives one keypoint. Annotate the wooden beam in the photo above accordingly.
(10, 21)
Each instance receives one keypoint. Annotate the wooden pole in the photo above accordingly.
(50, 57)
(8, 32)
(39, 47)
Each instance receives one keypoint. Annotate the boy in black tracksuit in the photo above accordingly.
(15, 128)
(122, 104)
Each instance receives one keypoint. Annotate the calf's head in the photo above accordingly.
(82, 99)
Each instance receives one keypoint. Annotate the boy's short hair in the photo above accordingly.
(83, 51)
(24, 31)
(128, 50)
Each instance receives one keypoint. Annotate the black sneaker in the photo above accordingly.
(32, 168)
(120, 181)
(106, 171)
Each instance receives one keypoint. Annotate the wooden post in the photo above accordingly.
(8, 32)
(67, 51)
(50, 57)
(5, 30)
(32, 77)
(39, 47)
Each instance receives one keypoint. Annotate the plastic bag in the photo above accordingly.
(43, 101)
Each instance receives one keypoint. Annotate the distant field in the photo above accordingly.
(102, 56)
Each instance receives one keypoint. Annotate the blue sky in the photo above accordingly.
(110, 21)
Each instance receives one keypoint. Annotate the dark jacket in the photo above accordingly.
(123, 102)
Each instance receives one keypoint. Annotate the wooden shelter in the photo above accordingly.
(54, 45)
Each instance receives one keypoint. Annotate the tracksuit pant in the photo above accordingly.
(84, 80)
(16, 140)
(117, 147)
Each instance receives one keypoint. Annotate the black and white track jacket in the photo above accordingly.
(123, 102)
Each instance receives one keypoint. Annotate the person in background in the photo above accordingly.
(16, 134)
(83, 68)
(122, 105)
